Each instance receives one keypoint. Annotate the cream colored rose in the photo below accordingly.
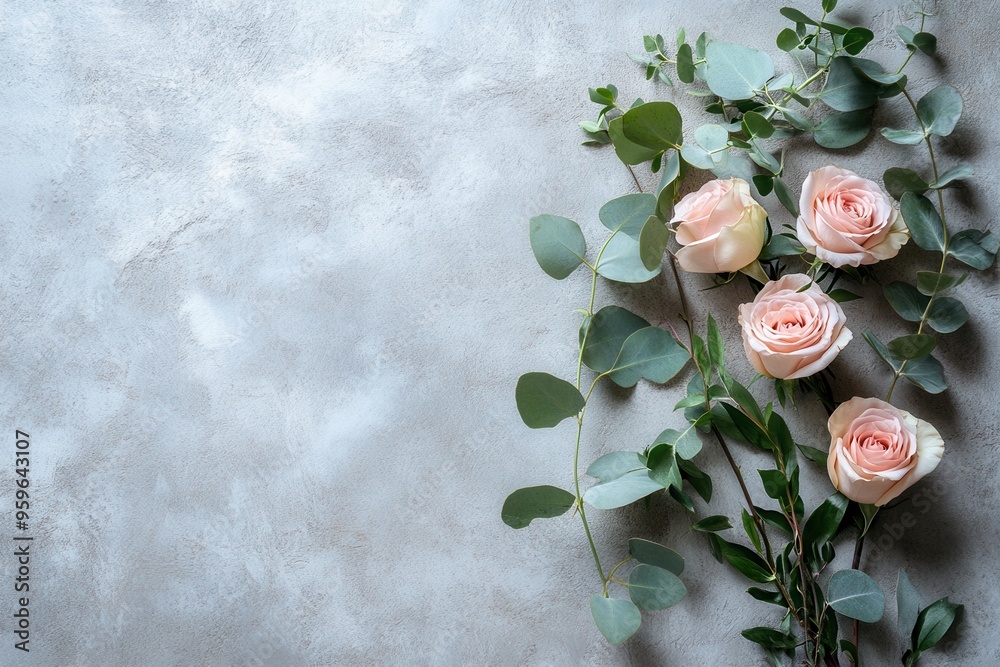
(878, 451)
(790, 332)
(720, 227)
(848, 220)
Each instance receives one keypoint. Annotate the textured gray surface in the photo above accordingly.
(267, 290)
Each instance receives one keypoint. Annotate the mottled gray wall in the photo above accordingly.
(267, 289)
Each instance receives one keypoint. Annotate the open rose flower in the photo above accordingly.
(790, 332)
(720, 227)
(848, 220)
(878, 451)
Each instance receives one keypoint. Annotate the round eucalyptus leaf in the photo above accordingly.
(712, 137)
(976, 248)
(735, 72)
(856, 595)
(614, 465)
(653, 242)
(925, 42)
(755, 124)
(652, 553)
(655, 125)
(914, 346)
(959, 172)
(947, 314)
(653, 588)
(903, 137)
(856, 39)
(787, 40)
(940, 109)
(628, 213)
(622, 262)
(650, 353)
(557, 243)
(899, 181)
(608, 330)
(926, 373)
(685, 64)
(544, 400)
(873, 71)
(841, 130)
(906, 300)
(616, 619)
(628, 152)
(535, 502)
(697, 156)
(845, 90)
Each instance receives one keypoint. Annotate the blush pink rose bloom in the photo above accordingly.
(878, 451)
(848, 220)
(720, 226)
(790, 332)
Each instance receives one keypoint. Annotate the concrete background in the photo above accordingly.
(267, 289)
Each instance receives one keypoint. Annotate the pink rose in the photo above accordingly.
(720, 227)
(790, 332)
(848, 220)
(877, 451)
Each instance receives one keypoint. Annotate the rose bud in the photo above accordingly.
(878, 451)
(720, 226)
(790, 332)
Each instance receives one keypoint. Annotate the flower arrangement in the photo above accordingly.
(844, 225)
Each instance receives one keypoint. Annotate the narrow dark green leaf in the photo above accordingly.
(743, 559)
(843, 296)
(823, 522)
(817, 456)
(544, 400)
(932, 624)
(797, 16)
(662, 464)
(535, 502)
(698, 479)
(750, 529)
(770, 597)
(880, 349)
(770, 638)
(652, 242)
(712, 524)
(685, 64)
(785, 196)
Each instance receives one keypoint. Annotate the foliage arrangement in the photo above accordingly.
(845, 223)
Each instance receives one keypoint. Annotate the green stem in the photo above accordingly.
(944, 230)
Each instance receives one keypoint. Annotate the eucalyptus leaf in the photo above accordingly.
(711, 137)
(662, 464)
(787, 40)
(797, 16)
(655, 554)
(628, 151)
(913, 346)
(607, 332)
(535, 502)
(840, 130)
(899, 181)
(544, 400)
(873, 71)
(930, 282)
(959, 172)
(785, 196)
(650, 353)
(754, 124)
(616, 619)
(926, 373)
(621, 261)
(735, 72)
(923, 221)
(685, 64)
(653, 588)
(614, 465)
(628, 213)
(907, 606)
(906, 300)
(621, 491)
(925, 42)
(655, 125)
(880, 349)
(904, 137)
(975, 248)
(856, 595)
(947, 314)
(940, 109)
(653, 242)
(697, 156)
(856, 39)
(845, 90)
(557, 243)
(686, 442)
